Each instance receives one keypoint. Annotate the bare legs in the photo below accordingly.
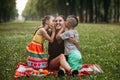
(59, 62)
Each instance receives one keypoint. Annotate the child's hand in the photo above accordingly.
(73, 40)
(53, 28)
(63, 26)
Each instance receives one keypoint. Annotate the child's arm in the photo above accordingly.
(49, 38)
(74, 40)
(58, 34)
(77, 45)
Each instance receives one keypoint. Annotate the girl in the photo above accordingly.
(35, 50)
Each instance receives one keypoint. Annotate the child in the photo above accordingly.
(71, 49)
(35, 50)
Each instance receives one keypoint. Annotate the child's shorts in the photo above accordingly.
(75, 59)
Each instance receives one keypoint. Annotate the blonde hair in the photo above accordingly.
(73, 20)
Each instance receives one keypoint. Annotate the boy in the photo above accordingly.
(71, 47)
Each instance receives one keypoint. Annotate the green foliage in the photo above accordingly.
(7, 10)
(30, 11)
(39, 8)
(100, 44)
(87, 10)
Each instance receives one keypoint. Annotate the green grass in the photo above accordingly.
(100, 44)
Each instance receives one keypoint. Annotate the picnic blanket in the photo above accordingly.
(22, 69)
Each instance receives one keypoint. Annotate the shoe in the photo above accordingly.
(74, 72)
(61, 73)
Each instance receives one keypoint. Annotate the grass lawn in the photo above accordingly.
(100, 44)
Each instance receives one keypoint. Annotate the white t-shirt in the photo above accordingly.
(69, 45)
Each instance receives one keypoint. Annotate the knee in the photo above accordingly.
(62, 56)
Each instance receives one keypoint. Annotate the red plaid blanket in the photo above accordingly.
(22, 69)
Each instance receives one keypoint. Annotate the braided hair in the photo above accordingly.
(47, 17)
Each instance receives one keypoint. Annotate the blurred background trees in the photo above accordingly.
(7, 10)
(90, 11)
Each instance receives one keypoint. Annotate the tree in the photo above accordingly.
(87, 10)
(116, 10)
(90, 10)
(8, 10)
(30, 12)
(80, 7)
(72, 7)
(106, 9)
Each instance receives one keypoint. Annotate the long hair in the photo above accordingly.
(47, 17)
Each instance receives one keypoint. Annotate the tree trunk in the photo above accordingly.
(106, 10)
(90, 10)
(96, 16)
(118, 13)
(72, 7)
(115, 11)
(81, 10)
